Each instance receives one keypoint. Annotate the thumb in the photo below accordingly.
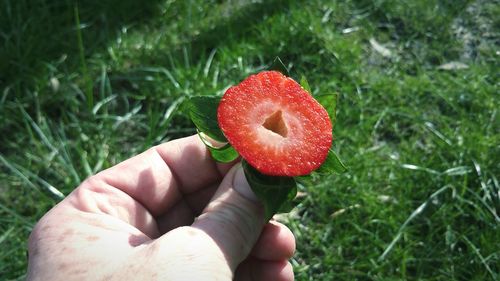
(234, 218)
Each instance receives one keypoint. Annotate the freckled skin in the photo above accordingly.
(91, 238)
(137, 221)
(71, 247)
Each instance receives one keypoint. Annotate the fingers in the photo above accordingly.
(97, 197)
(233, 219)
(184, 212)
(189, 253)
(269, 256)
(191, 163)
(160, 176)
(259, 270)
(275, 243)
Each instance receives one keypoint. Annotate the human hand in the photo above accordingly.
(140, 220)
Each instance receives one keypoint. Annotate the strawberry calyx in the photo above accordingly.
(272, 133)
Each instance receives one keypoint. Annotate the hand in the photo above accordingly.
(170, 213)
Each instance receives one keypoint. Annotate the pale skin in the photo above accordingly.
(170, 213)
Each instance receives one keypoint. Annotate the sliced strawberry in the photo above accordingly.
(275, 125)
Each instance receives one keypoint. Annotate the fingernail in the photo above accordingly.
(240, 184)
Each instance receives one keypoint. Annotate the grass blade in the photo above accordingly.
(412, 216)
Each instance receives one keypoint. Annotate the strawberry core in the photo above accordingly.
(276, 124)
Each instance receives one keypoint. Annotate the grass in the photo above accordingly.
(84, 85)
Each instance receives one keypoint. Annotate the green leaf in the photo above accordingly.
(332, 164)
(221, 152)
(278, 65)
(225, 154)
(275, 193)
(305, 84)
(203, 112)
(289, 203)
(329, 102)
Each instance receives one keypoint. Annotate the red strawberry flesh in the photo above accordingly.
(275, 125)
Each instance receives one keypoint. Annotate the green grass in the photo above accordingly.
(85, 86)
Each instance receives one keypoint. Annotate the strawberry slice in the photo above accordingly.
(275, 125)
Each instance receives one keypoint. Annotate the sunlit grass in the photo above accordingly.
(420, 200)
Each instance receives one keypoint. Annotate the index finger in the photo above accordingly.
(159, 177)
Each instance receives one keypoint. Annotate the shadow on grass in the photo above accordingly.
(40, 36)
(235, 26)
(35, 34)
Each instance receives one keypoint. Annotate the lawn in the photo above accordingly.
(85, 86)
